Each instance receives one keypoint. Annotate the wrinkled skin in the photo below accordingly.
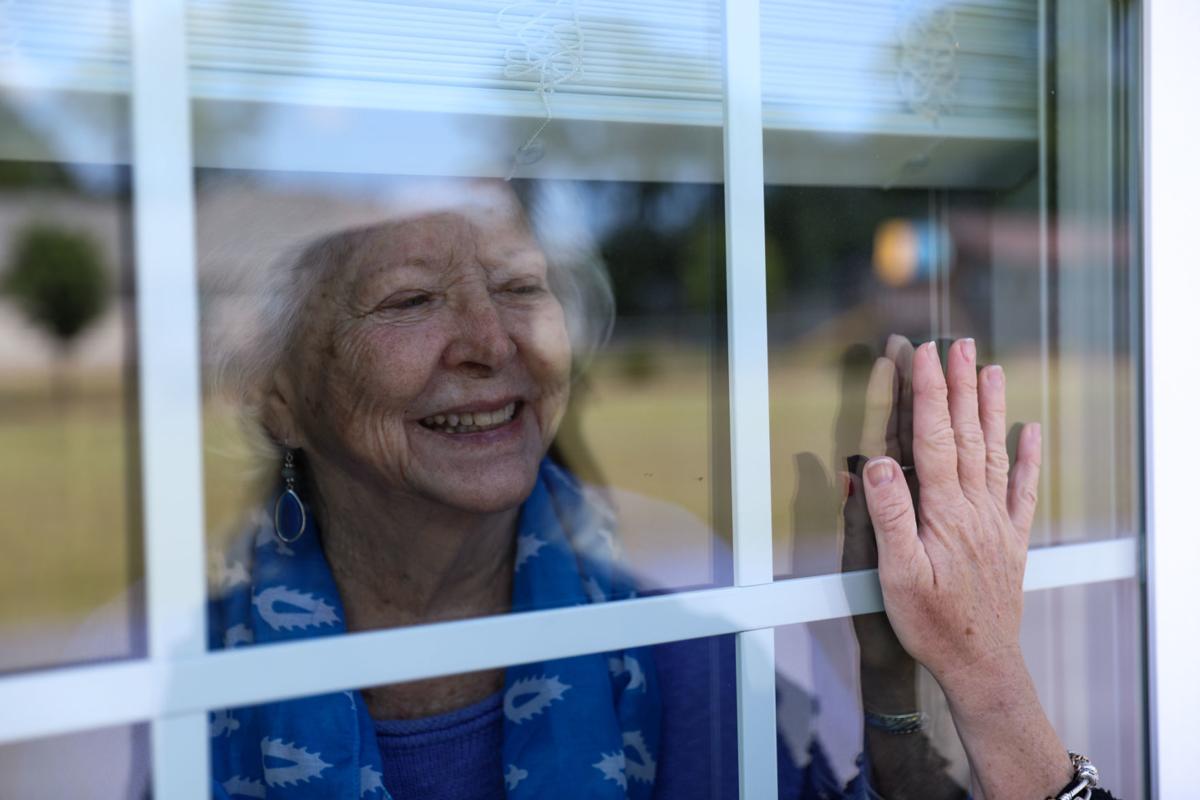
(441, 313)
(438, 314)
(952, 577)
(951, 568)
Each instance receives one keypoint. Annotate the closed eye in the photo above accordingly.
(405, 302)
(523, 287)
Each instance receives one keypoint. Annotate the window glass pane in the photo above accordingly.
(660, 719)
(938, 170)
(69, 491)
(1089, 685)
(105, 764)
(435, 243)
(961, 180)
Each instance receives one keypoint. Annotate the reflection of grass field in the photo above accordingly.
(64, 507)
(653, 435)
(65, 471)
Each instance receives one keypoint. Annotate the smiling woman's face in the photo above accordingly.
(433, 362)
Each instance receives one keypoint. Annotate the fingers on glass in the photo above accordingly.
(964, 414)
(900, 351)
(992, 419)
(893, 517)
(879, 412)
(1023, 484)
(935, 453)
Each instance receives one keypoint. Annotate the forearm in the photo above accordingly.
(1014, 752)
(903, 766)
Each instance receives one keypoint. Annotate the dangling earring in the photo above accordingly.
(289, 496)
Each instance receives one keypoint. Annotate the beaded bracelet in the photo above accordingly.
(1087, 777)
(899, 724)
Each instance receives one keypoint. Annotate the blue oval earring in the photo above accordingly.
(288, 506)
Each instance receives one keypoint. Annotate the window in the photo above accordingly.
(768, 195)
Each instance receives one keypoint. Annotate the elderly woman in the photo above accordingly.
(413, 376)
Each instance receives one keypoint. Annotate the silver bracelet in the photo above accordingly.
(1087, 777)
(899, 724)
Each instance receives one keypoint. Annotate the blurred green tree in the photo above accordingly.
(57, 277)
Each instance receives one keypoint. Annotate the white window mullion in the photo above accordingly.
(52, 702)
(749, 405)
(169, 362)
(1171, 174)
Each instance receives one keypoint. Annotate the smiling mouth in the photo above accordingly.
(472, 422)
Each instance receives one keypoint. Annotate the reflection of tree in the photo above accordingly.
(663, 246)
(57, 277)
(19, 175)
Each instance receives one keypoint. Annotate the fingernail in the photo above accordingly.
(994, 375)
(931, 352)
(879, 472)
(968, 350)
(1034, 433)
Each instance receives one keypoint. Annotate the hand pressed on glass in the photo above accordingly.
(952, 580)
(951, 568)
(887, 430)
(904, 758)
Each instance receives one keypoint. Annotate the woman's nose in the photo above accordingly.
(481, 342)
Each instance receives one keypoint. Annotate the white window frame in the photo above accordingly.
(179, 682)
(1171, 174)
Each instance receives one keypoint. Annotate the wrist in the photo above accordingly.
(993, 684)
(1011, 744)
(889, 691)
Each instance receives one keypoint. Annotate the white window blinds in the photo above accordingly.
(907, 81)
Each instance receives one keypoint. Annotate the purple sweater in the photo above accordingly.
(456, 756)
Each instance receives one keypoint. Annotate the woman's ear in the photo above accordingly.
(278, 411)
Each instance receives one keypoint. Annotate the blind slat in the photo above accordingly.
(825, 62)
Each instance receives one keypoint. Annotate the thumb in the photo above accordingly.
(891, 509)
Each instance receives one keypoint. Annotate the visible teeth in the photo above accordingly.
(472, 421)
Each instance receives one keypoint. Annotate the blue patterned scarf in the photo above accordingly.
(585, 727)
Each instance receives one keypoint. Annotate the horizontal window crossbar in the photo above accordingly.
(78, 698)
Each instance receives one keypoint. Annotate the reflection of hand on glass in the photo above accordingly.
(903, 764)
(952, 571)
(887, 430)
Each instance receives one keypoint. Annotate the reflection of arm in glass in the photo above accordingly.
(903, 764)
